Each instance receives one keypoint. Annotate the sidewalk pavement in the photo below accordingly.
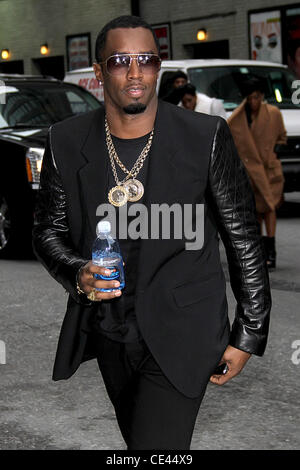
(259, 409)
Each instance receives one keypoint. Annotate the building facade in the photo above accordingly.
(263, 29)
(234, 29)
(28, 24)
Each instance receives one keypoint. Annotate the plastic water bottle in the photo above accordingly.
(106, 253)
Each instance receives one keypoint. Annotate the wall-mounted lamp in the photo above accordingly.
(44, 49)
(5, 54)
(201, 34)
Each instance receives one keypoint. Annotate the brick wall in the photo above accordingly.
(26, 24)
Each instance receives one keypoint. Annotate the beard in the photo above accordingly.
(134, 108)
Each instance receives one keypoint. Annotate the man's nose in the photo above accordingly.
(134, 70)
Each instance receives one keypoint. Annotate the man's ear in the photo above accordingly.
(98, 72)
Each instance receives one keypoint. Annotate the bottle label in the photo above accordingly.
(114, 274)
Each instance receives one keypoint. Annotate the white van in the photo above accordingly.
(222, 78)
(86, 78)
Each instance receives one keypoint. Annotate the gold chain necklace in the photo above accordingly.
(128, 189)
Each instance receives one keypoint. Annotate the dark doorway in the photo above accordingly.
(51, 66)
(135, 7)
(208, 50)
(13, 66)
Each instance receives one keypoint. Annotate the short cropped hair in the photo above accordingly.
(125, 21)
(179, 74)
(253, 84)
(188, 89)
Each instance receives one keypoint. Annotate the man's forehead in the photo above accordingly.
(130, 40)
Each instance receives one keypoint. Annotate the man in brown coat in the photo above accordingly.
(257, 127)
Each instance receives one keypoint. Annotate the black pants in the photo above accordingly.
(151, 413)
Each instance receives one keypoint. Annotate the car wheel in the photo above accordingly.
(15, 230)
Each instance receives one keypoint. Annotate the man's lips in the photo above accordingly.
(135, 91)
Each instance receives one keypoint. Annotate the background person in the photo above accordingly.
(200, 102)
(293, 50)
(257, 128)
(179, 79)
(171, 89)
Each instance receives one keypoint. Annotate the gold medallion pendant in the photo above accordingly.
(128, 189)
(135, 189)
(117, 196)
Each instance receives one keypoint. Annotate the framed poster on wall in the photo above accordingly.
(265, 36)
(163, 33)
(78, 51)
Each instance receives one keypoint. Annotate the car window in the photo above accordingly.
(225, 83)
(77, 104)
(43, 104)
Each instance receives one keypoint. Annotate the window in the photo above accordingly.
(225, 83)
(43, 104)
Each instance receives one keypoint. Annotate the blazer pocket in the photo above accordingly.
(195, 291)
(274, 171)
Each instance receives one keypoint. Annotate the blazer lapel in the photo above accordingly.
(94, 174)
(261, 123)
(159, 189)
(243, 136)
(162, 168)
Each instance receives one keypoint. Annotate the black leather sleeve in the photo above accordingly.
(233, 204)
(51, 240)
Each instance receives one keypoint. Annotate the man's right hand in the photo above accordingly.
(88, 283)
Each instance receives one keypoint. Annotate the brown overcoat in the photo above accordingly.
(255, 146)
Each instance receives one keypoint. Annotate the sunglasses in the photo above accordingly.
(119, 64)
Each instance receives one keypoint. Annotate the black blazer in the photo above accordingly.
(180, 302)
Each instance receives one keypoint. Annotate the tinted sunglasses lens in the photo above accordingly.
(117, 65)
(149, 64)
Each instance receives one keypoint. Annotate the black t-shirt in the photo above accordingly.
(116, 318)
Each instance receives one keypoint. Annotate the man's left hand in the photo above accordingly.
(235, 360)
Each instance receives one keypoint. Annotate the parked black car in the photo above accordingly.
(29, 105)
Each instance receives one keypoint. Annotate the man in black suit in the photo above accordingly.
(159, 340)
